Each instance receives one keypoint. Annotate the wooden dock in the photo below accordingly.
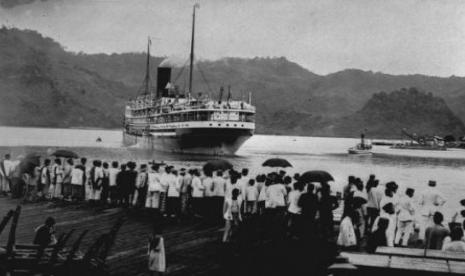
(191, 248)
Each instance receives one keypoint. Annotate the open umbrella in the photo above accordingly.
(316, 176)
(29, 162)
(65, 154)
(218, 164)
(276, 162)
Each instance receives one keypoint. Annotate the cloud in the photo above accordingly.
(9, 4)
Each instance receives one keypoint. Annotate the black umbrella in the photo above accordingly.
(218, 164)
(316, 176)
(65, 154)
(276, 162)
(28, 163)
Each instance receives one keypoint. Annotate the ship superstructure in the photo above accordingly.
(175, 121)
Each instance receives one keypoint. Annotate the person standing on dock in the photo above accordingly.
(141, 187)
(44, 180)
(112, 174)
(197, 193)
(219, 191)
(405, 218)
(174, 192)
(67, 169)
(77, 182)
(57, 180)
(207, 183)
(7, 166)
(186, 190)
(156, 252)
(431, 201)
(374, 196)
(154, 188)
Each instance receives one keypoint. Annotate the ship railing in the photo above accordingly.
(181, 108)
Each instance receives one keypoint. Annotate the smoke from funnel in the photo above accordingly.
(173, 62)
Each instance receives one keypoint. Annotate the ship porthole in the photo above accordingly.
(211, 124)
(227, 124)
(219, 124)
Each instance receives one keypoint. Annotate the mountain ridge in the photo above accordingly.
(60, 88)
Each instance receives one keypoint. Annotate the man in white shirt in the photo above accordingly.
(431, 201)
(209, 200)
(197, 193)
(112, 174)
(6, 169)
(174, 192)
(97, 178)
(243, 181)
(45, 178)
(405, 218)
(164, 182)
(219, 190)
(154, 188)
(77, 182)
(57, 179)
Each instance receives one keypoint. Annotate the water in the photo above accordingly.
(407, 168)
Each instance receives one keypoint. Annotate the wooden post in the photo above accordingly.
(12, 235)
(5, 220)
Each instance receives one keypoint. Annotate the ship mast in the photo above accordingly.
(191, 66)
(147, 70)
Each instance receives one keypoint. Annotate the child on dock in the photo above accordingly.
(156, 252)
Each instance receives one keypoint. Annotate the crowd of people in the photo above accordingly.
(377, 215)
(373, 215)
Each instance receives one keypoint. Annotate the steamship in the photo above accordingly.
(173, 121)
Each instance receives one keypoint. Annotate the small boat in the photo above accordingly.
(362, 148)
(365, 150)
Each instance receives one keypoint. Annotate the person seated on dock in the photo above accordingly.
(45, 234)
(454, 243)
(435, 234)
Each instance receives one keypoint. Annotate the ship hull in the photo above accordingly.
(205, 141)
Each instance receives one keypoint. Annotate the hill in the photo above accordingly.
(43, 85)
(385, 114)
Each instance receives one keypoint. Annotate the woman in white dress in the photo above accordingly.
(157, 257)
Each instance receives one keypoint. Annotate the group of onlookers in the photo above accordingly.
(383, 216)
(373, 215)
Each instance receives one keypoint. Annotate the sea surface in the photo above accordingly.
(408, 168)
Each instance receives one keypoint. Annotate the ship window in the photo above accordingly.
(242, 125)
(235, 124)
(219, 124)
(227, 124)
(211, 124)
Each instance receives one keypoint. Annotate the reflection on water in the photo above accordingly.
(305, 153)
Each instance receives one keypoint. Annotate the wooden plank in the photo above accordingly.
(399, 251)
(371, 260)
(419, 264)
(457, 267)
(456, 256)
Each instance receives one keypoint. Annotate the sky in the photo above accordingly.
(324, 36)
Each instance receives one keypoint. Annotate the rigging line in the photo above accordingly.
(205, 79)
(181, 71)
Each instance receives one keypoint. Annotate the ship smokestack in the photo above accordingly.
(163, 78)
